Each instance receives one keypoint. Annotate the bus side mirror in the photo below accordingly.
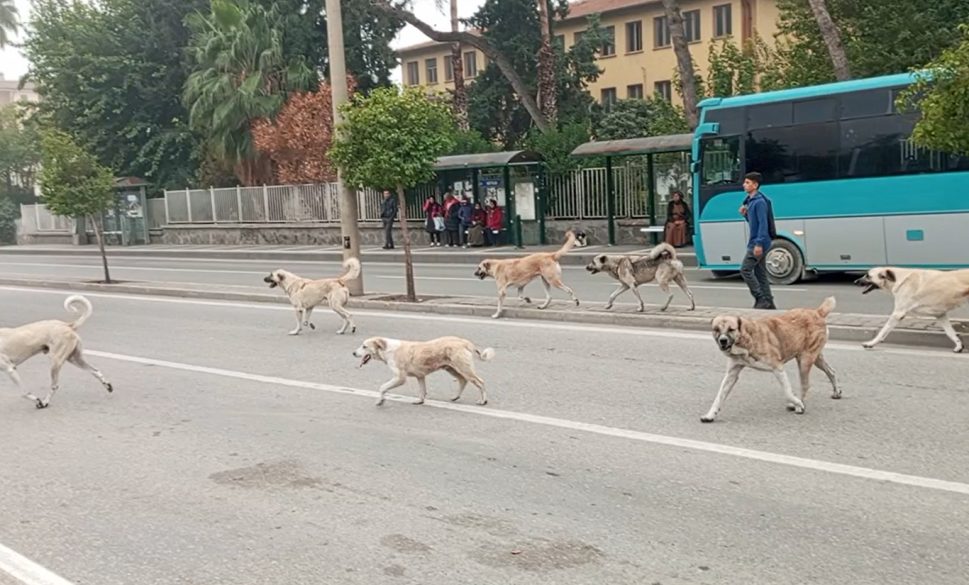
(695, 166)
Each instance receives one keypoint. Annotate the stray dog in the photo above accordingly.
(660, 265)
(418, 359)
(58, 339)
(767, 344)
(519, 272)
(919, 292)
(306, 294)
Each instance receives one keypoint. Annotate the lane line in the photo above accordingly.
(27, 571)
(481, 321)
(609, 283)
(643, 437)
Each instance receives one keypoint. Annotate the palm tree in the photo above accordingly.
(684, 61)
(547, 96)
(9, 21)
(239, 77)
(832, 39)
(457, 68)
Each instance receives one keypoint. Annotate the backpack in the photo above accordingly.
(771, 228)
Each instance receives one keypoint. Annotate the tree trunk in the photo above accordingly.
(98, 223)
(832, 39)
(457, 69)
(504, 65)
(546, 67)
(684, 62)
(405, 233)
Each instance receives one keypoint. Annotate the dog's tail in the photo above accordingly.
(664, 251)
(486, 354)
(826, 307)
(352, 270)
(570, 241)
(78, 304)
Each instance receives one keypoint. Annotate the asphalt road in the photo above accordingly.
(438, 279)
(233, 453)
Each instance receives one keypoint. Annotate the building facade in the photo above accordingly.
(639, 62)
(10, 93)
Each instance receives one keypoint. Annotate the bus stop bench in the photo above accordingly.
(652, 232)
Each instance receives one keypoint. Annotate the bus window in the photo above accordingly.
(873, 147)
(816, 111)
(720, 161)
(864, 104)
(770, 115)
(731, 120)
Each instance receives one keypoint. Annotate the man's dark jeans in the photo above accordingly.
(754, 272)
(388, 232)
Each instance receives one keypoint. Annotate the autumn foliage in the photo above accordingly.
(298, 139)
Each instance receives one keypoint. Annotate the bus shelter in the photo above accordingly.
(649, 148)
(516, 179)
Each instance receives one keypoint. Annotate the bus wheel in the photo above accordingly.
(784, 262)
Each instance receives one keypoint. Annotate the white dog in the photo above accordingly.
(306, 294)
(418, 359)
(919, 292)
(56, 338)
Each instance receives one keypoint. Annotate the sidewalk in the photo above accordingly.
(422, 254)
(842, 326)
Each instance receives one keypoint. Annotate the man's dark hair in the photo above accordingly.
(755, 177)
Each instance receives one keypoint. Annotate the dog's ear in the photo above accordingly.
(379, 344)
(889, 275)
(280, 276)
(740, 325)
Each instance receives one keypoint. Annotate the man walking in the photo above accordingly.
(756, 208)
(388, 213)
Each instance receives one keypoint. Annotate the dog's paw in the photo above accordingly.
(482, 402)
(379, 402)
(496, 315)
(418, 402)
(706, 419)
(958, 349)
(836, 395)
(576, 302)
(791, 408)
(313, 327)
(799, 409)
(455, 399)
(109, 388)
(40, 404)
(353, 329)
(868, 345)
(607, 308)
(293, 333)
(527, 299)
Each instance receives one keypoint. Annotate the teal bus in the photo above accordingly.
(849, 188)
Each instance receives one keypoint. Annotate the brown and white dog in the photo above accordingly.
(419, 359)
(518, 272)
(919, 292)
(660, 264)
(305, 294)
(56, 338)
(769, 343)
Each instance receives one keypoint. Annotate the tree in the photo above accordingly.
(19, 153)
(880, 38)
(684, 62)
(8, 220)
(9, 21)
(392, 139)
(633, 118)
(298, 139)
(547, 90)
(832, 39)
(74, 184)
(110, 73)
(943, 98)
(732, 70)
(457, 73)
(240, 76)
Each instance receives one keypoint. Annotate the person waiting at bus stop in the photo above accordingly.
(754, 268)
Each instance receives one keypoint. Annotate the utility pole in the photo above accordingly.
(338, 86)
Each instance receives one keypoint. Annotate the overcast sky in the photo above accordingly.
(13, 64)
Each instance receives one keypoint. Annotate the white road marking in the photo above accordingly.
(764, 456)
(481, 321)
(609, 283)
(27, 571)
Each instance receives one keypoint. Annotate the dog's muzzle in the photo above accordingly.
(592, 268)
(724, 342)
(867, 283)
(481, 274)
(269, 280)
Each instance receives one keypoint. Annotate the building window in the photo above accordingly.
(661, 32)
(609, 45)
(470, 64)
(634, 92)
(722, 20)
(577, 37)
(448, 68)
(663, 90)
(413, 73)
(691, 25)
(559, 41)
(430, 67)
(634, 36)
(608, 97)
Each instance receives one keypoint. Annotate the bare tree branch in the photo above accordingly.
(465, 38)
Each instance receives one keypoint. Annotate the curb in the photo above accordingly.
(598, 316)
(575, 258)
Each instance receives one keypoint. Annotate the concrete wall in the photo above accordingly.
(627, 232)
